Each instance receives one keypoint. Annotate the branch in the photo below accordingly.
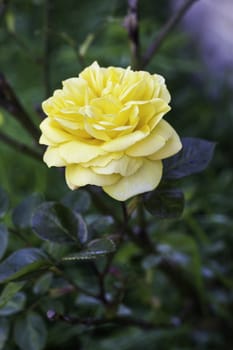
(132, 27)
(20, 147)
(10, 102)
(171, 23)
(117, 320)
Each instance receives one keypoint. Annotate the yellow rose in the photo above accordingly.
(106, 128)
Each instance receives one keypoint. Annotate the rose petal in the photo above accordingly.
(52, 130)
(124, 166)
(153, 142)
(102, 161)
(171, 147)
(145, 179)
(123, 142)
(52, 157)
(78, 152)
(77, 176)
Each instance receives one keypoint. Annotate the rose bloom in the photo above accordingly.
(106, 128)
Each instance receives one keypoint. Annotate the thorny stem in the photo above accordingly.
(161, 36)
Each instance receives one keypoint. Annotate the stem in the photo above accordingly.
(131, 24)
(47, 48)
(20, 147)
(125, 214)
(171, 23)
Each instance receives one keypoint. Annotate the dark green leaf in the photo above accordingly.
(22, 214)
(99, 224)
(95, 248)
(3, 240)
(78, 201)
(56, 250)
(4, 332)
(14, 305)
(55, 222)
(82, 230)
(22, 263)
(194, 157)
(165, 203)
(30, 332)
(4, 202)
(9, 291)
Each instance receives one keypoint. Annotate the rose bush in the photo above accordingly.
(106, 128)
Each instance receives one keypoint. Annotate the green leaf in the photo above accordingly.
(4, 202)
(56, 223)
(30, 332)
(22, 214)
(22, 263)
(3, 240)
(9, 291)
(78, 201)
(14, 305)
(194, 157)
(165, 203)
(95, 248)
(4, 332)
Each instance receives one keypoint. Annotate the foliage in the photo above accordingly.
(79, 270)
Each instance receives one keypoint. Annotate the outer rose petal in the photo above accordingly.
(52, 157)
(145, 179)
(77, 176)
(171, 147)
(153, 142)
(78, 152)
(53, 132)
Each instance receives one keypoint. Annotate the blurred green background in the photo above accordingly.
(202, 106)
